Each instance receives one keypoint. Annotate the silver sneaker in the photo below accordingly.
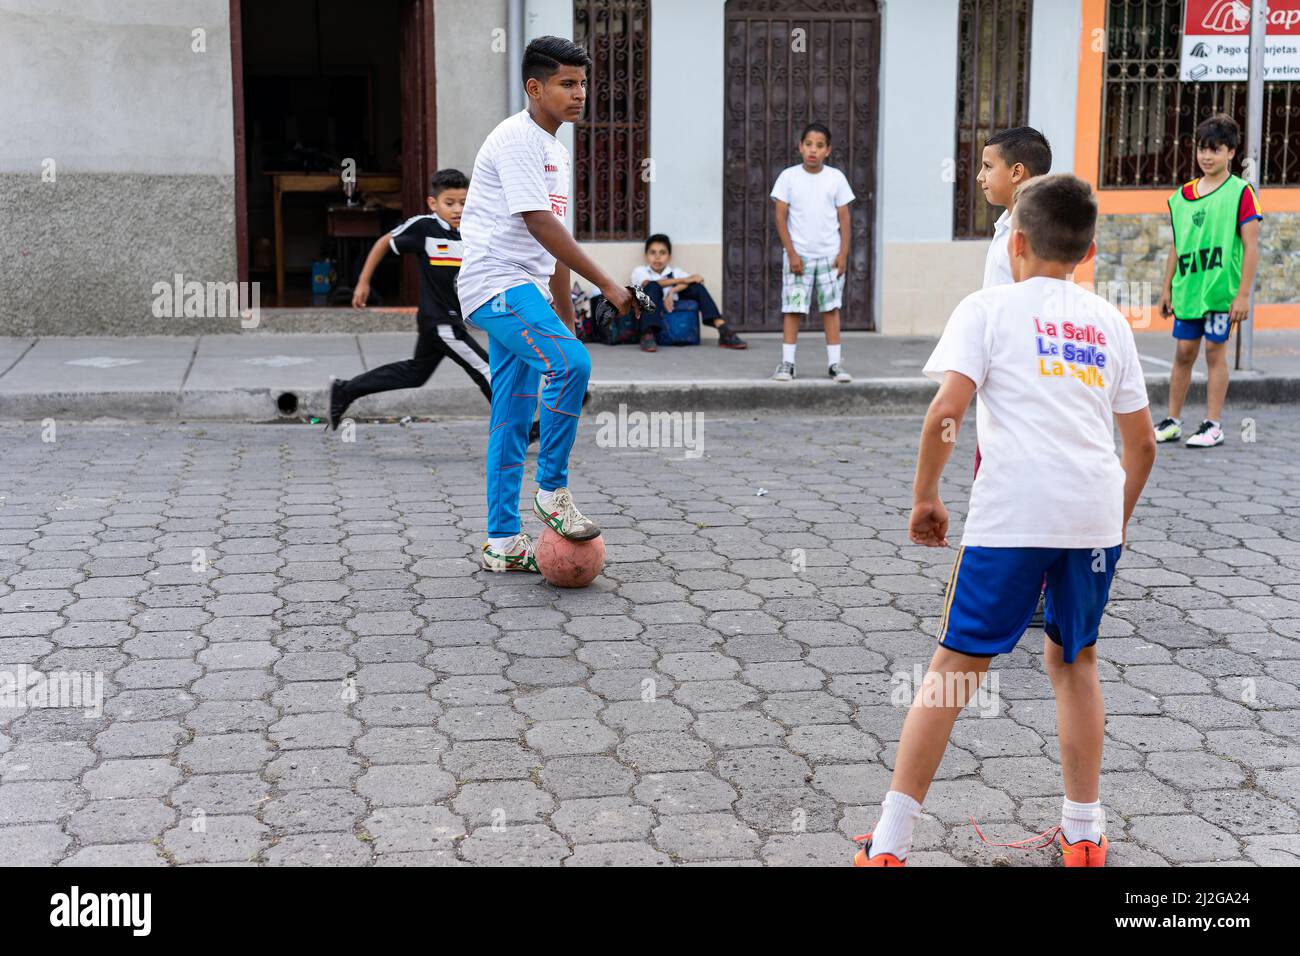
(784, 372)
(564, 518)
(837, 373)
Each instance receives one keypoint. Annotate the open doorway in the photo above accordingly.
(320, 87)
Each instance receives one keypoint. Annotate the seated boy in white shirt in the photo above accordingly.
(665, 284)
(1054, 367)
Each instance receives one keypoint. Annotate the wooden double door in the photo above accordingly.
(789, 63)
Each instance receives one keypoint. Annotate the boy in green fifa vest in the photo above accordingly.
(1209, 275)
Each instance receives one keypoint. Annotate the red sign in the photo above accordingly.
(1232, 17)
(1216, 41)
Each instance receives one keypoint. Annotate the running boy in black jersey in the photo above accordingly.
(435, 238)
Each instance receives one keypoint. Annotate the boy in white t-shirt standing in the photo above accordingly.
(812, 220)
(1054, 366)
(514, 285)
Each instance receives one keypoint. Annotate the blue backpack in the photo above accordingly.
(681, 326)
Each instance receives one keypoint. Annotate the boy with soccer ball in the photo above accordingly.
(514, 285)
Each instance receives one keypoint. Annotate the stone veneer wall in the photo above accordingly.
(1132, 249)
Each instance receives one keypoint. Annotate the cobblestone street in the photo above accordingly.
(302, 664)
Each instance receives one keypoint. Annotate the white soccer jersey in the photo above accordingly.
(1052, 363)
(520, 168)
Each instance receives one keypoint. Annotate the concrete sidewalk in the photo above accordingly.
(258, 376)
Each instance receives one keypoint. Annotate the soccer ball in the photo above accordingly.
(569, 564)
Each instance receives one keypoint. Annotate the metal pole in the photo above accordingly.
(1254, 147)
(514, 55)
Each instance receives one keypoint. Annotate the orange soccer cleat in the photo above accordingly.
(864, 858)
(1082, 852)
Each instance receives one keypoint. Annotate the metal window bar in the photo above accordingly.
(612, 140)
(992, 94)
(1149, 115)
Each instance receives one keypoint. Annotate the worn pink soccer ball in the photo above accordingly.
(569, 564)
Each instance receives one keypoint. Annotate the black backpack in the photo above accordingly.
(613, 330)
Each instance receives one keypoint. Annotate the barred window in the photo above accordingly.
(612, 140)
(1149, 116)
(992, 95)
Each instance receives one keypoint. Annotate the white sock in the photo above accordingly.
(499, 545)
(787, 353)
(1082, 821)
(832, 354)
(893, 834)
(545, 497)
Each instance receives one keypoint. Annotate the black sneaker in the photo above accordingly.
(648, 343)
(728, 339)
(338, 403)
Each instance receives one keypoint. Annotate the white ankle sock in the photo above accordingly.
(1082, 821)
(499, 545)
(893, 834)
(545, 497)
(787, 353)
(832, 354)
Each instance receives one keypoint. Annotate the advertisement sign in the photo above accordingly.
(1216, 41)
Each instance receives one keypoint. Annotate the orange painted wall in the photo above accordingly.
(1120, 202)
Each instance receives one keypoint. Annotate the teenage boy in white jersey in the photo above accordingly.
(1053, 366)
(513, 288)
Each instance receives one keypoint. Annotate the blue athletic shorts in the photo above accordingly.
(992, 593)
(1215, 327)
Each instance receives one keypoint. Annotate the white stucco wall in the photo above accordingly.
(472, 77)
(687, 70)
(551, 18)
(1054, 76)
(918, 118)
(113, 86)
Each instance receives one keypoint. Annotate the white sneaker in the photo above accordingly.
(564, 517)
(516, 556)
(784, 372)
(1207, 436)
(837, 373)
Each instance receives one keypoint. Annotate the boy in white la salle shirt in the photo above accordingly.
(1053, 366)
(1010, 159)
(812, 221)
